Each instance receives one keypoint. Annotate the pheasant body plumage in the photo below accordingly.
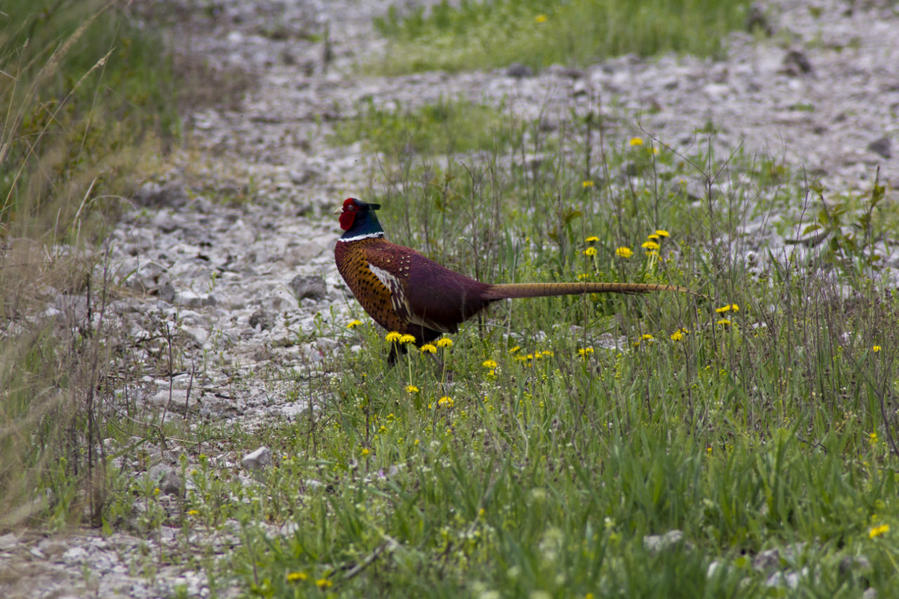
(406, 292)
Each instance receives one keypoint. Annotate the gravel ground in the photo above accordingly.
(244, 277)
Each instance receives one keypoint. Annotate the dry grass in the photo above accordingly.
(83, 106)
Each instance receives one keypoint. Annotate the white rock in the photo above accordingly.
(257, 459)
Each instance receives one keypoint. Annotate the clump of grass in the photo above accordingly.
(486, 34)
(83, 86)
(446, 126)
(82, 90)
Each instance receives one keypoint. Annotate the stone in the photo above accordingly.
(262, 320)
(516, 70)
(881, 146)
(767, 560)
(8, 541)
(308, 286)
(656, 543)
(796, 62)
(166, 293)
(167, 479)
(258, 459)
(75, 555)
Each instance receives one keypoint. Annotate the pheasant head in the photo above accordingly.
(358, 220)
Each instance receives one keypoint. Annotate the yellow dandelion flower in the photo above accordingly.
(156, 491)
(445, 342)
(724, 322)
(662, 233)
(365, 451)
(587, 183)
(353, 324)
(547, 353)
(491, 372)
(624, 252)
(582, 276)
(877, 531)
(872, 438)
(679, 334)
(584, 351)
(407, 339)
(393, 337)
(428, 347)
(412, 389)
(635, 141)
(445, 402)
(193, 512)
(323, 583)
(541, 18)
(592, 239)
(647, 337)
(297, 576)
(649, 245)
(653, 237)
(875, 348)
(591, 251)
(728, 308)
(491, 364)
(514, 349)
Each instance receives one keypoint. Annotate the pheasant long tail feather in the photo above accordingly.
(510, 290)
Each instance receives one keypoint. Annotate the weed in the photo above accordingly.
(597, 446)
(81, 87)
(495, 34)
(446, 126)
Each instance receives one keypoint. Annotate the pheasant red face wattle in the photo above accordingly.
(347, 216)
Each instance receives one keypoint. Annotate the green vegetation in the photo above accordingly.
(81, 88)
(558, 442)
(443, 126)
(485, 34)
(85, 95)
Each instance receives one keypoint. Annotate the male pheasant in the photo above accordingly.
(405, 292)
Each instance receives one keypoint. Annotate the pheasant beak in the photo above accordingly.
(374, 206)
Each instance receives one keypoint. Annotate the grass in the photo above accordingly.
(86, 95)
(482, 34)
(84, 87)
(444, 126)
(577, 447)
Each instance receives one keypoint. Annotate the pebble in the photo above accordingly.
(257, 459)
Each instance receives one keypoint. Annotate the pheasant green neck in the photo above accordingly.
(365, 226)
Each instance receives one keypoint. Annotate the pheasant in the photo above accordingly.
(405, 292)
